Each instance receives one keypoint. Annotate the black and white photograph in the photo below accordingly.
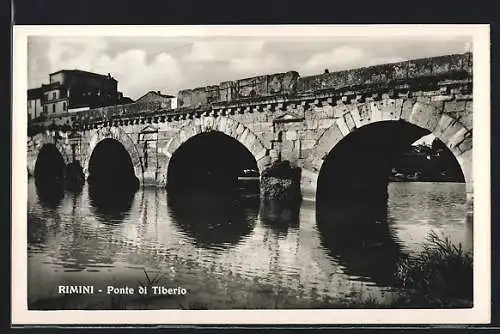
(315, 169)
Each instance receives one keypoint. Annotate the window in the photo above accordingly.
(64, 105)
(53, 108)
(54, 94)
(45, 109)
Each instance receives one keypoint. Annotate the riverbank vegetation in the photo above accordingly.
(440, 276)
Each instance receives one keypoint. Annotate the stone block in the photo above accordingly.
(301, 134)
(391, 109)
(253, 127)
(349, 121)
(328, 140)
(447, 128)
(231, 127)
(340, 110)
(467, 116)
(249, 141)
(164, 135)
(342, 126)
(222, 124)
(465, 161)
(466, 119)
(455, 139)
(266, 138)
(291, 135)
(208, 123)
(469, 106)
(407, 109)
(183, 136)
(239, 130)
(454, 106)
(287, 147)
(365, 114)
(442, 98)
(173, 145)
(259, 153)
(376, 113)
(197, 128)
(356, 117)
(215, 125)
(328, 111)
(243, 135)
(316, 163)
(426, 116)
(304, 154)
(325, 123)
(295, 126)
(266, 117)
(312, 134)
(307, 144)
(274, 154)
(466, 144)
(266, 126)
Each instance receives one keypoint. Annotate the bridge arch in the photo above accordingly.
(455, 133)
(124, 139)
(38, 142)
(222, 124)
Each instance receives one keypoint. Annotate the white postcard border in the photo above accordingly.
(480, 313)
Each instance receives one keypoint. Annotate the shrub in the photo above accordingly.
(442, 271)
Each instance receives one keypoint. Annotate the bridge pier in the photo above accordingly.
(149, 179)
(74, 175)
(281, 182)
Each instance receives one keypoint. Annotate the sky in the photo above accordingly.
(169, 64)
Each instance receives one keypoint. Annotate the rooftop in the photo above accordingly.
(34, 93)
(157, 93)
(86, 73)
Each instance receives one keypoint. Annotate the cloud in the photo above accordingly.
(229, 50)
(135, 74)
(76, 52)
(240, 57)
(337, 58)
(345, 57)
(253, 65)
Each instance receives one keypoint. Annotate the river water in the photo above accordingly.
(230, 253)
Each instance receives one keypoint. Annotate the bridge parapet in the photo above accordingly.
(445, 78)
(407, 72)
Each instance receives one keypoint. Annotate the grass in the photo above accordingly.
(441, 275)
(149, 282)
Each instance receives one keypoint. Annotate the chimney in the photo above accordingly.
(159, 92)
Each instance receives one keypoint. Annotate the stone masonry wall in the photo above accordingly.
(434, 94)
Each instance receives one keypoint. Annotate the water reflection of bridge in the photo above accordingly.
(357, 235)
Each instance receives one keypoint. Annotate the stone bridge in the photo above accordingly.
(373, 113)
